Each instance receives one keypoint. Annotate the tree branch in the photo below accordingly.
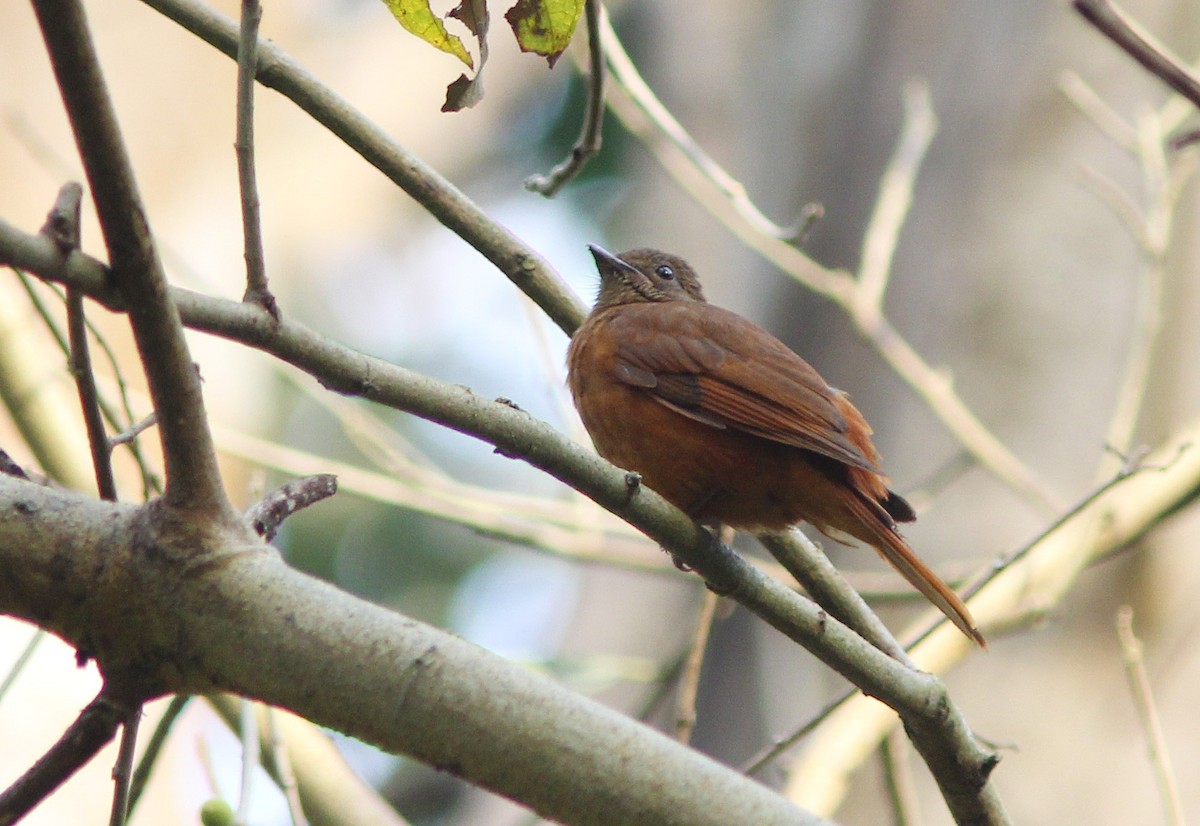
(276, 70)
(1141, 46)
(95, 726)
(588, 143)
(192, 477)
(235, 618)
(257, 290)
(62, 227)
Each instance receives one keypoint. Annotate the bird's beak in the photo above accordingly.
(607, 263)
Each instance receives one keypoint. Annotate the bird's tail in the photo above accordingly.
(895, 550)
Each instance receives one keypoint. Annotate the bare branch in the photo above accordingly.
(1143, 700)
(266, 516)
(62, 226)
(193, 480)
(1097, 110)
(638, 106)
(275, 746)
(150, 483)
(1114, 24)
(89, 397)
(328, 787)
(153, 748)
(895, 199)
(898, 778)
(95, 726)
(276, 70)
(689, 683)
(588, 143)
(237, 618)
(1171, 479)
(813, 570)
(257, 290)
(123, 770)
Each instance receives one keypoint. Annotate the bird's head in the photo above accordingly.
(644, 275)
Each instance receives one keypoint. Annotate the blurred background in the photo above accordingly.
(1014, 273)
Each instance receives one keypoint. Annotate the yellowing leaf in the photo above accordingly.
(418, 18)
(544, 26)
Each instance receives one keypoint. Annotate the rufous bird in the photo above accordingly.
(726, 422)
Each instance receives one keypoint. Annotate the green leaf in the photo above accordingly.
(418, 18)
(544, 26)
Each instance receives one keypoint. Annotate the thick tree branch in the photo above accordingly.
(236, 618)
(192, 477)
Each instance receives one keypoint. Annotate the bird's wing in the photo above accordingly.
(718, 368)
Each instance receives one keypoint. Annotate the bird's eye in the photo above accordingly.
(664, 272)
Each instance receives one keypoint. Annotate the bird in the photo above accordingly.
(727, 423)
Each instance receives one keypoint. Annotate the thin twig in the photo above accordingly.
(85, 383)
(23, 658)
(268, 514)
(123, 770)
(91, 731)
(193, 480)
(150, 483)
(324, 782)
(1024, 591)
(1097, 110)
(62, 226)
(588, 143)
(895, 200)
(153, 748)
(1147, 321)
(556, 527)
(781, 746)
(251, 756)
(629, 82)
(278, 751)
(898, 778)
(1143, 700)
(257, 290)
(689, 684)
(130, 436)
(1141, 46)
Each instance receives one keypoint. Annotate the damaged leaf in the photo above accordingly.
(465, 91)
(418, 18)
(544, 26)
